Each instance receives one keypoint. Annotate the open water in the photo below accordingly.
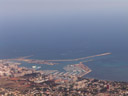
(68, 29)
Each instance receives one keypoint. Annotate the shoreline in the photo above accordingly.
(53, 62)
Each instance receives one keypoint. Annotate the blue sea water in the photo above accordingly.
(67, 30)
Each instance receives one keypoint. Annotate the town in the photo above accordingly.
(21, 81)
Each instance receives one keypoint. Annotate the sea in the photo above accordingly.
(68, 29)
